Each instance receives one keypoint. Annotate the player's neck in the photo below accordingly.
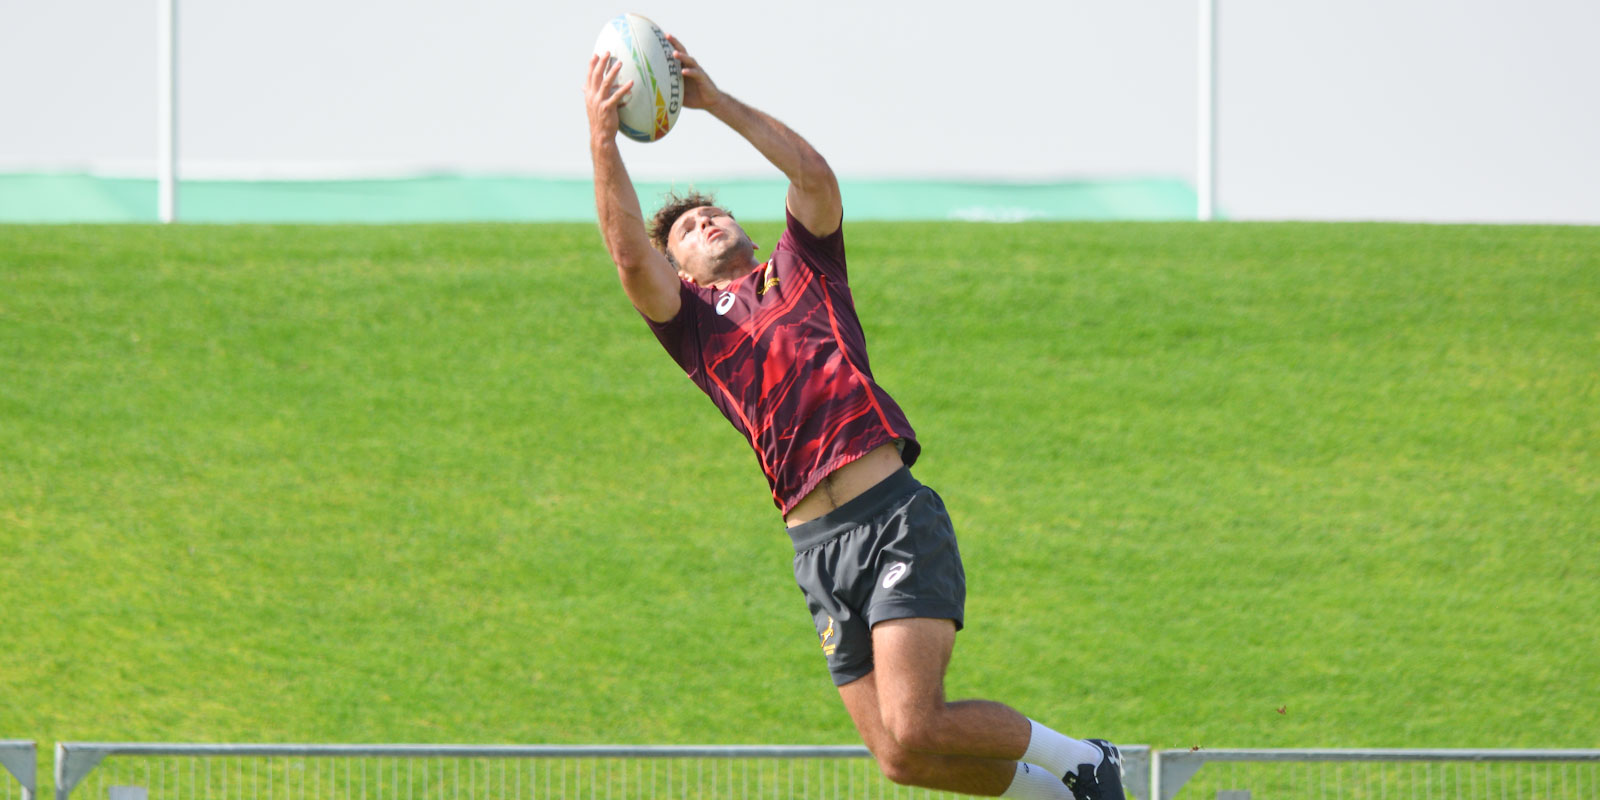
(724, 274)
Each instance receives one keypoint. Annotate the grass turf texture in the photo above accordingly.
(439, 484)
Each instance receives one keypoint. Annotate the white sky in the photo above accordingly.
(1456, 110)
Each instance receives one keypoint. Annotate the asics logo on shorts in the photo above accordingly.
(894, 574)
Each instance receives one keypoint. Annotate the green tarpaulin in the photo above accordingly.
(453, 198)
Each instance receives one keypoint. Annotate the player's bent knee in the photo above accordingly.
(902, 766)
(900, 771)
(913, 735)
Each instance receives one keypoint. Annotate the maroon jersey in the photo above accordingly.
(781, 353)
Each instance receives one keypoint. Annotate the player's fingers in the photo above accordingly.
(617, 97)
(602, 71)
(680, 52)
(613, 69)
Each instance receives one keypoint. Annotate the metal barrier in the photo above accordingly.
(21, 759)
(452, 772)
(1379, 774)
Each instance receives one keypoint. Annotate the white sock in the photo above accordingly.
(1033, 782)
(1057, 753)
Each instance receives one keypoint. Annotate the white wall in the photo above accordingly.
(1357, 109)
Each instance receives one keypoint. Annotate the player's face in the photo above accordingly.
(709, 245)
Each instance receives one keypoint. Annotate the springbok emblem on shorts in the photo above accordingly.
(827, 649)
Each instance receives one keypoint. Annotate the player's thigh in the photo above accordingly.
(911, 656)
(897, 762)
(860, 698)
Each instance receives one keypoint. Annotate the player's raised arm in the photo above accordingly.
(648, 278)
(813, 189)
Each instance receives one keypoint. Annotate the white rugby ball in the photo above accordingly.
(652, 106)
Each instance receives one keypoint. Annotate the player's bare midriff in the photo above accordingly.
(846, 483)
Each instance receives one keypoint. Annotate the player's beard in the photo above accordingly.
(730, 257)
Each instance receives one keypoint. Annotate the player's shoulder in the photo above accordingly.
(824, 254)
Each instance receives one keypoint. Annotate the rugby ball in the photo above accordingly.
(652, 106)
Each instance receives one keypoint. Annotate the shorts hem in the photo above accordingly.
(885, 612)
(850, 674)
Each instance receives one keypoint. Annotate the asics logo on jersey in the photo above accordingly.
(724, 303)
(895, 574)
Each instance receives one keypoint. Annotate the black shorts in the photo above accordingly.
(888, 554)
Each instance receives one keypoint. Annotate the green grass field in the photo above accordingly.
(439, 484)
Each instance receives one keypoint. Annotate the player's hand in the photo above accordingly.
(602, 96)
(698, 89)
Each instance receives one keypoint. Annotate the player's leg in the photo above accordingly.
(891, 675)
(968, 774)
(964, 774)
(911, 656)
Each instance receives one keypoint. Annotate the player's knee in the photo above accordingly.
(901, 765)
(913, 734)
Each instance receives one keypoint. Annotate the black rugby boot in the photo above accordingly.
(1103, 782)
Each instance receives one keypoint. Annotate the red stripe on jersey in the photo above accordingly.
(847, 417)
(833, 320)
(767, 317)
(766, 320)
(772, 476)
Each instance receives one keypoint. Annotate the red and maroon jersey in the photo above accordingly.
(781, 353)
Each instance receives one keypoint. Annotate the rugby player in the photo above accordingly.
(777, 346)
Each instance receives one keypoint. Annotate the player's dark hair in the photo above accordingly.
(676, 205)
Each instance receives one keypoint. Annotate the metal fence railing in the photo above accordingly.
(1376, 774)
(21, 760)
(464, 772)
